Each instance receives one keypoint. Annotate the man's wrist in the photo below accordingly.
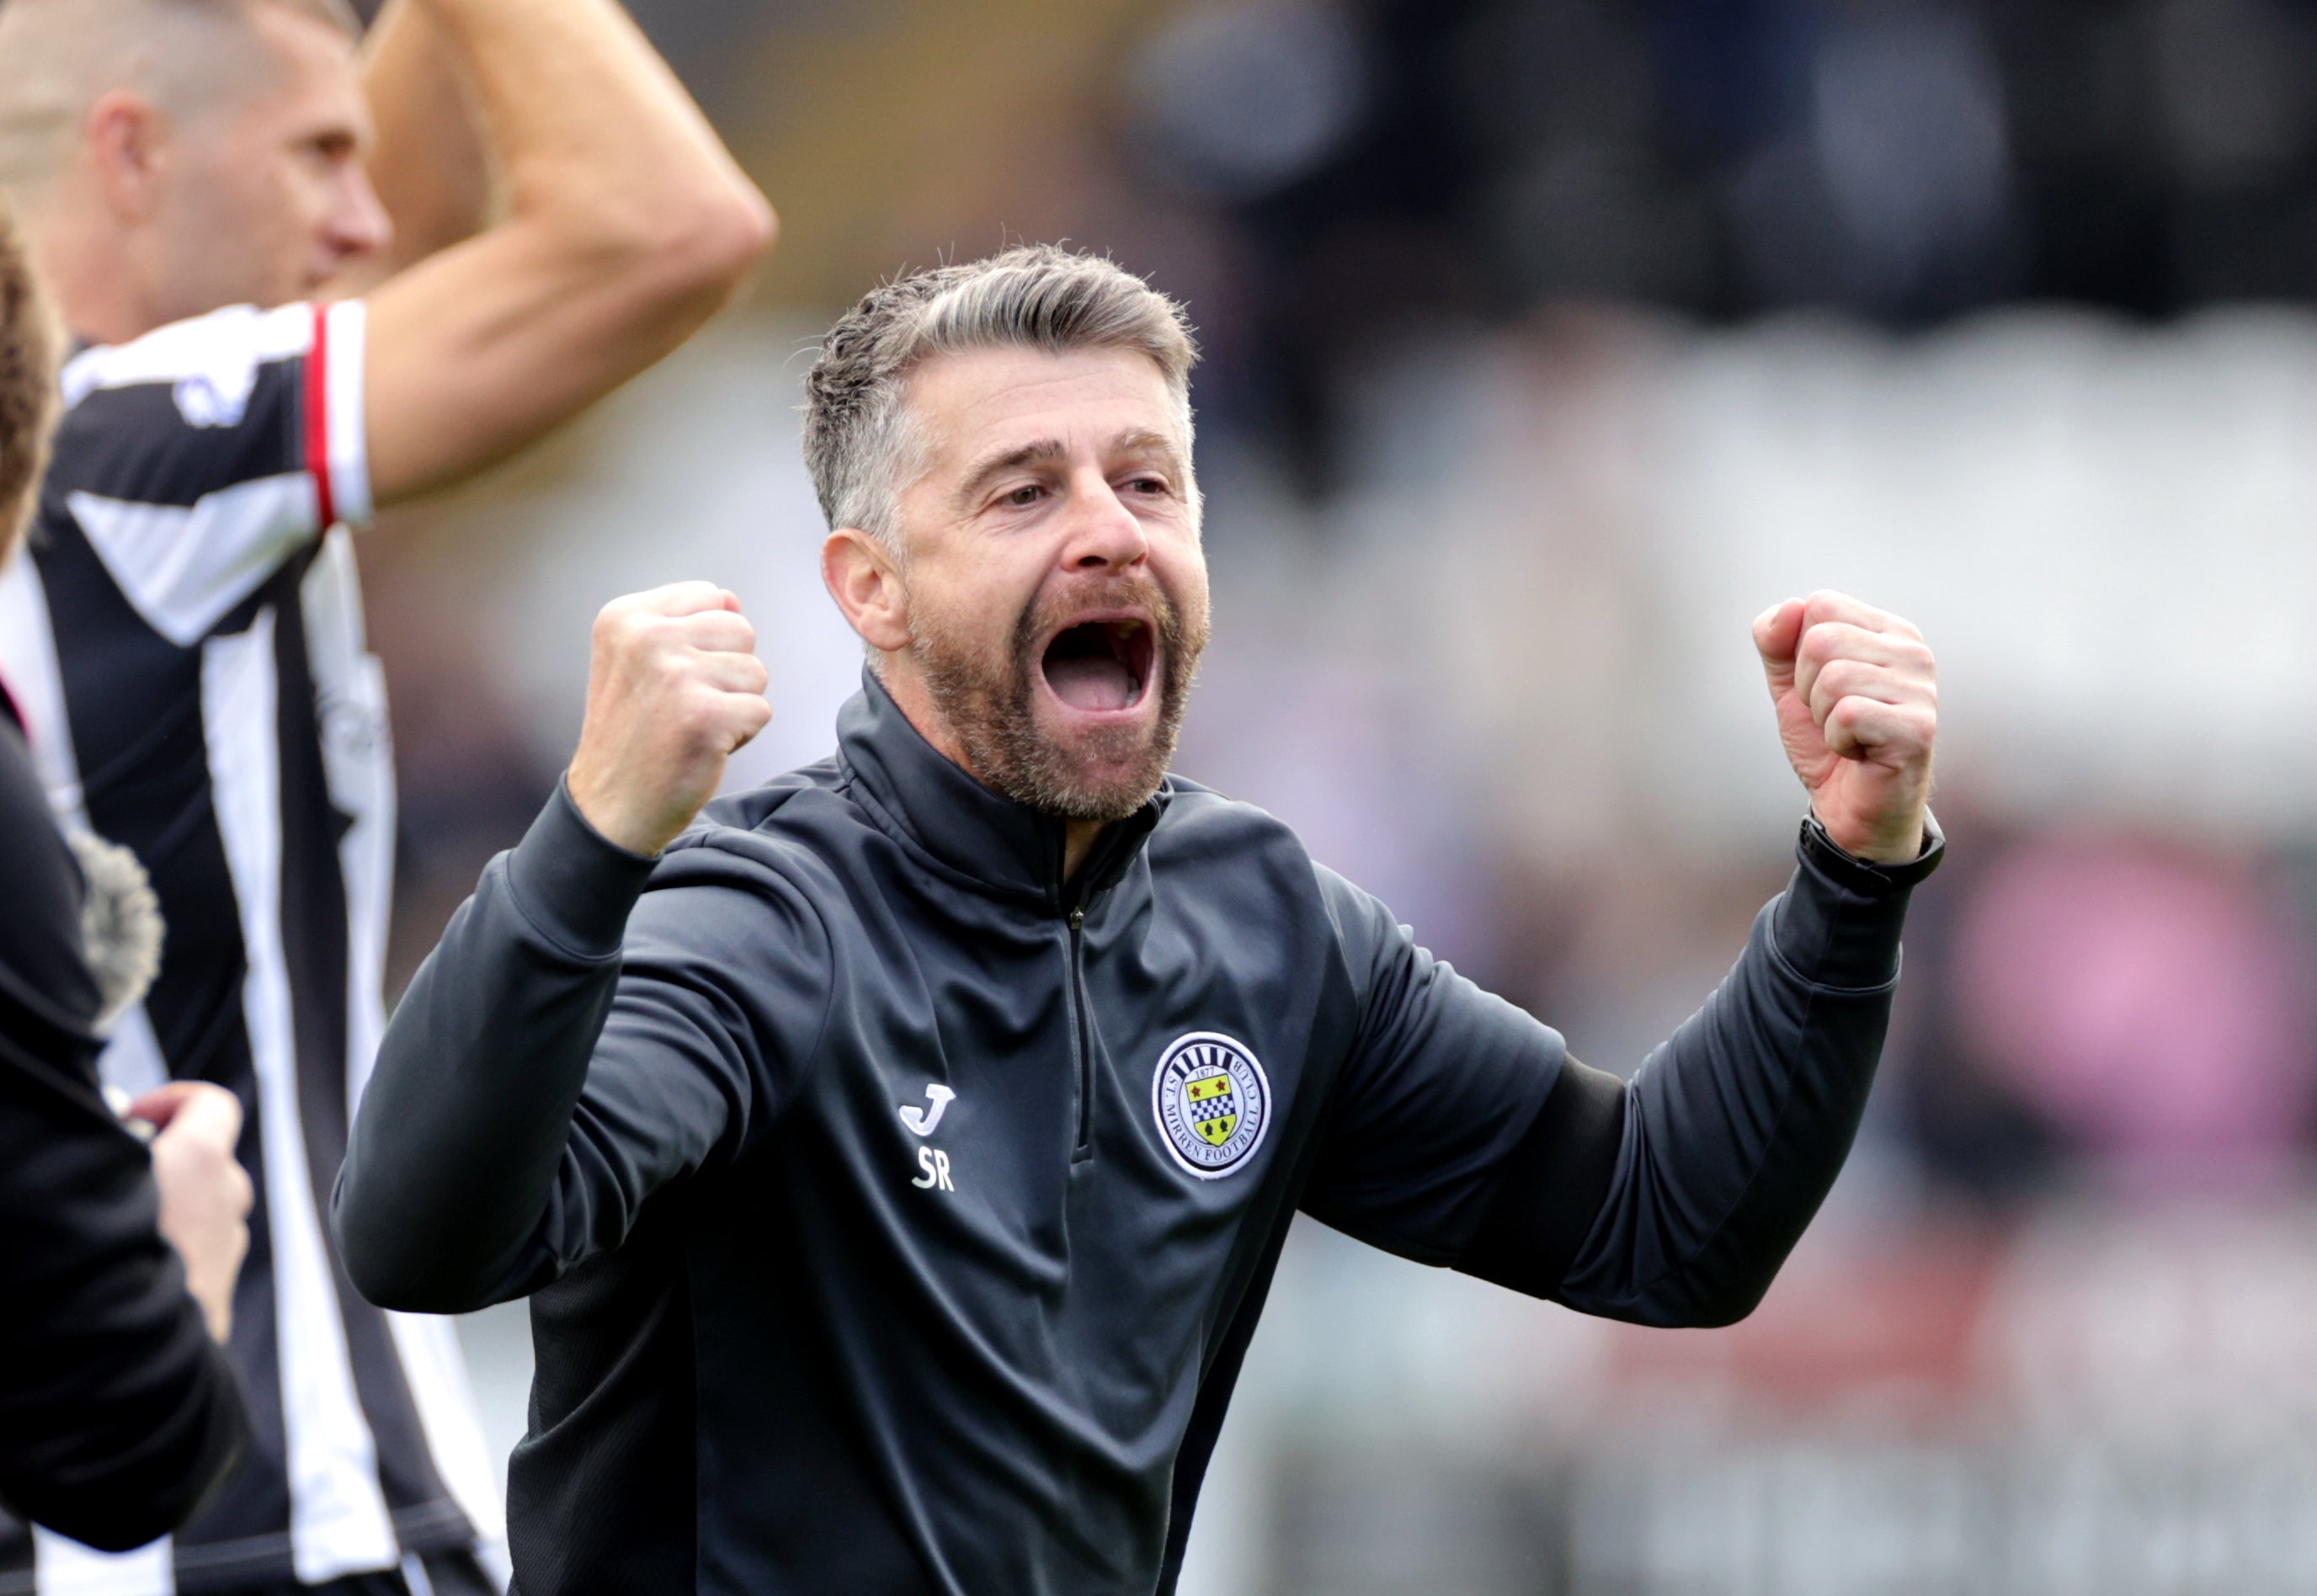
(572, 882)
(1838, 922)
(1868, 877)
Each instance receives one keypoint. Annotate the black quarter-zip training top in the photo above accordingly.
(896, 1213)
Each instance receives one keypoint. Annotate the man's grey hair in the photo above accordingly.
(862, 445)
(57, 56)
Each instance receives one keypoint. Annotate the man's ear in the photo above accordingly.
(125, 134)
(865, 581)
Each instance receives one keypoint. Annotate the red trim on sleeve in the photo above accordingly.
(317, 419)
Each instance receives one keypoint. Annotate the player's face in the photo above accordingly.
(1057, 591)
(269, 200)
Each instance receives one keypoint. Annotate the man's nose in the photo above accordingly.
(359, 224)
(1104, 532)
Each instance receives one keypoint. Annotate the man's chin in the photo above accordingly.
(1100, 770)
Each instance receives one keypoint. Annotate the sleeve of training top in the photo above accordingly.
(1442, 1082)
(199, 458)
(573, 1045)
(117, 1411)
(1673, 1199)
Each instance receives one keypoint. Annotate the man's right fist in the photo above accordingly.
(674, 689)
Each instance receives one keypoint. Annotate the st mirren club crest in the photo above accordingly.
(1213, 1102)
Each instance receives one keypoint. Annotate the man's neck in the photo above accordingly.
(908, 694)
(87, 276)
(1078, 838)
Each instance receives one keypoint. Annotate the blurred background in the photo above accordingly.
(1547, 342)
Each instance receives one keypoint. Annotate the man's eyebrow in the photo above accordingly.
(1143, 441)
(996, 465)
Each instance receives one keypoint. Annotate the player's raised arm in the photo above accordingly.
(627, 225)
(428, 161)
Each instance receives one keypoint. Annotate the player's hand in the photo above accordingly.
(1857, 696)
(675, 687)
(205, 1194)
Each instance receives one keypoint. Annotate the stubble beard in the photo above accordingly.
(1103, 774)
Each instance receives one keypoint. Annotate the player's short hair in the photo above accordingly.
(57, 56)
(28, 384)
(859, 443)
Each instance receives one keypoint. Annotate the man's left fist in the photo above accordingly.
(1858, 706)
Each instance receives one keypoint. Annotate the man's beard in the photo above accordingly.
(1104, 773)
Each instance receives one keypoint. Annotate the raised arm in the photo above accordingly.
(427, 158)
(627, 226)
(1675, 1199)
(563, 1054)
(1461, 1133)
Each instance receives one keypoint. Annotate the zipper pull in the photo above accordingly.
(1078, 917)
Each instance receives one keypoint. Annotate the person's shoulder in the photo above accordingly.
(1197, 816)
(210, 361)
(1225, 839)
(195, 408)
(1232, 840)
(783, 829)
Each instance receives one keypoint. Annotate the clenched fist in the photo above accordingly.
(674, 689)
(1857, 697)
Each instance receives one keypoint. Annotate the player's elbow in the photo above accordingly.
(730, 236)
(1692, 1299)
(1694, 1305)
(1719, 1313)
(684, 256)
(393, 1261)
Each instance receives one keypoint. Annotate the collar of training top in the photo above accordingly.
(991, 840)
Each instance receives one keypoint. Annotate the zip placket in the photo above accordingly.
(1081, 1042)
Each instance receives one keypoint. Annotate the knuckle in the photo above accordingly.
(1840, 677)
(696, 709)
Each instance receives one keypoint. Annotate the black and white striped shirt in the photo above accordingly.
(185, 639)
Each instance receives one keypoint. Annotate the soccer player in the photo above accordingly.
(118, 1411)
(898, 1158)
(195, 181)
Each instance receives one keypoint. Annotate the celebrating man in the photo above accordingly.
(899, 1157)
(195, 179)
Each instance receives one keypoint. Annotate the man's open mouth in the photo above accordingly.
(1102, 665)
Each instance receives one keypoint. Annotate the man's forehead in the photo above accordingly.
(309, 63)
(978, 388)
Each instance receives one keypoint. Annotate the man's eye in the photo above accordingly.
(1149, 484)
(1028, 494)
